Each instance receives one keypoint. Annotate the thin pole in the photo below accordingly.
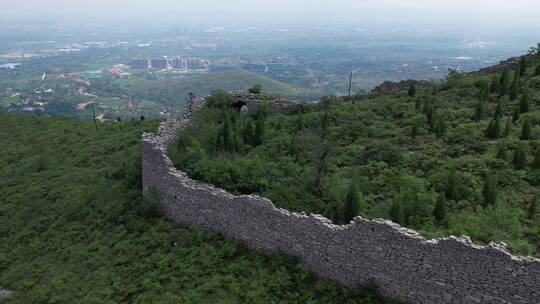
(94, 113)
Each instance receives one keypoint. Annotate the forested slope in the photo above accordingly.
(75, 229)
(458, 157)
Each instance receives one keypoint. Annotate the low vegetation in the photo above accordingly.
(75, 229)
(459, 157)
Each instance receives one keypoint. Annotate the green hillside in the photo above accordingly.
(75, 229)
(457, 157)
(172, 91)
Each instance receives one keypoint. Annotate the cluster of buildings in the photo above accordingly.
(170, 63)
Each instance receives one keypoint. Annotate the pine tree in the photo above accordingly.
(299, 122)
(523, 66)
(489, 192)
(484, 91)
(412, 90)
(414, 131)
(417, 104)
(524, 102)
(536, 162)
(226, 137)
(439, 127)
(439, 213)
(516, 86)
(431, 117)
(537, 72)
(495, 86)
(451, 185)
(396, 213)
(520, 158)
(352, 203)
(480, 111)
(533, 207)
(508, 127)
(248, 133)
(498, 110)
(494, 129)
(325, 122)
(501, 153)
(516, 115)
(504, 81)
(260, 130)
(427, 106)
(526, 130)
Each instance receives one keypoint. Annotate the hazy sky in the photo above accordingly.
(268, 10)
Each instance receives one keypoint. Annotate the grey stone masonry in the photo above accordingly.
(402, 263)
(4, 294)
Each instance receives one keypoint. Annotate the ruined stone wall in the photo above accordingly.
(402, 263)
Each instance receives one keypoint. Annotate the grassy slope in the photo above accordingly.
(370, 144)
(203, 84)
(76, 230)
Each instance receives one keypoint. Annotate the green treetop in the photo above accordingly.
(526, 130)
(536, 162)
(516, 86)
(520, 158)
(412, 90)
(256, 89)
(523, 66)
(439, 213)
(396, 213)
(524, 102)
(352, 203)
(489, 192)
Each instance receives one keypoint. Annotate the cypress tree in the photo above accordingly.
(396, 213)
(522, 66)
(248, 133)
(430, 117)
(260, 130)
(439, 213)
(325, 122)
(494, 129)
(480, 111)
(516, 86)
(412, 90)
(501, 153)
(498, 110)
(352, 203)
(417, 104)
(505, 82)
(484, 91)
(537, 72)
(533, 207)
(526, 130)
(536, 162)
(508, 127)
(414, 131)
(489, 192)
(439, 127)
(226, 139)
(428, 106)
(451, 185)
(299, 122)
(520, 158)
(495, 86)
(516, 115)
(524, 102)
